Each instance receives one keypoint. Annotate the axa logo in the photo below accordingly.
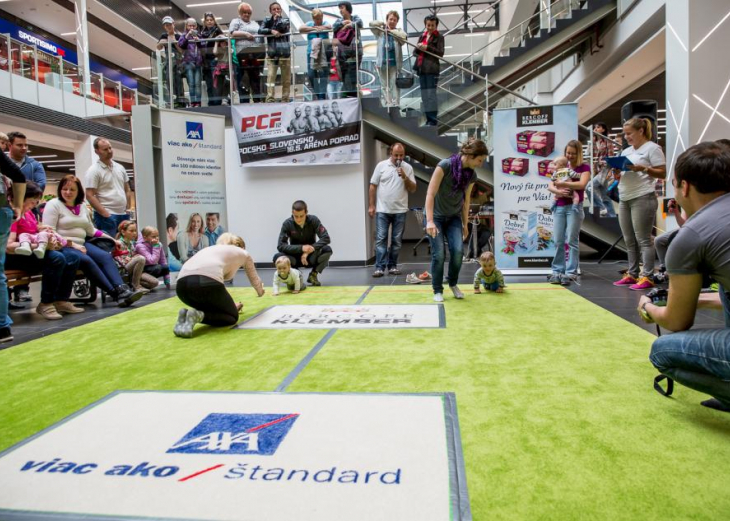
(261, 122)
(218, 433)
(193, 130)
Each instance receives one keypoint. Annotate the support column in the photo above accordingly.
(698, 78)
(84, 157)
(82, 46)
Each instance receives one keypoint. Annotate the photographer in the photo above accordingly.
(699, 359)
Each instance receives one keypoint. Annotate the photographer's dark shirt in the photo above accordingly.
(702, 245)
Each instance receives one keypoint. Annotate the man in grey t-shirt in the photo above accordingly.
(699, 359)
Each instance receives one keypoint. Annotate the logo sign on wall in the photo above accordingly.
(348, 317)
(526, 140)
(321, 132)
(228, 456)
(194, 177)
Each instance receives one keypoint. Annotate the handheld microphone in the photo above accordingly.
(398, 162)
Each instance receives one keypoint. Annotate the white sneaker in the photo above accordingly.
(412, 278)
(40, 251)
(457, 292)
(438, 297)
(23, 249)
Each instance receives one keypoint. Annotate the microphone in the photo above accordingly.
(397, 163)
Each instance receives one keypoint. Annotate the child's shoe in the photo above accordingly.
(627, 280)
(168, 285)
(425, 276)
(40, 251)
(642, 284)
(23, 249)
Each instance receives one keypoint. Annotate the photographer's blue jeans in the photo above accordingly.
(109, 225)
(567, 221)
(452, 229)
(698, 359)
(6, 219)
(383, 256)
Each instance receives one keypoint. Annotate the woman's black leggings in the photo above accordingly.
(209, 296)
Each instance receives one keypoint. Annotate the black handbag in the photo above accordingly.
(103, 243)
(404, 81)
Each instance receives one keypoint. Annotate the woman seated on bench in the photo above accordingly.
(69, 217)
(58, 270)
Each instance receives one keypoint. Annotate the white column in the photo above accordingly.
(84, 157)
(698, 76)
(82, 45)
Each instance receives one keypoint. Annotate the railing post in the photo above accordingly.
(159, 68)
(136, 96)
(35, 75)
(101, 92)
(120, 99)
(63, 84)
(170, 78)
(231, 75)
(593, 168)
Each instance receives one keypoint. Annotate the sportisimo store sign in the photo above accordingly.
(229, 456)
(348, 317)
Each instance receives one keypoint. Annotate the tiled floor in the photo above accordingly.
(594, 285)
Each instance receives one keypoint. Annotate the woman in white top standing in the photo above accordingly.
(638, 206)
(201, 285)
(69, 217)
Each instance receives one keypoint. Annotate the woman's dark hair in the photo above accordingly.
(475, 148)
(346, 5)
(32, 190)
(431, 18)
(723, 142)
(71, 179)
(705, 166)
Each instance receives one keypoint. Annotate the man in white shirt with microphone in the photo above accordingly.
(391, 183)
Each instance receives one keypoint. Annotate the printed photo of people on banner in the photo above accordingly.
(321, 132)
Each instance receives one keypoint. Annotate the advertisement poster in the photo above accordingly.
(322, 132)
(195, 182)
(526, 140)
(233, 455)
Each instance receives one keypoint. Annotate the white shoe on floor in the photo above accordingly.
(438, 297)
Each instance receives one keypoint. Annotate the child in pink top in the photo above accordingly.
(33, 238)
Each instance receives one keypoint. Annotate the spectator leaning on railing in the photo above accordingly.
(389, 59)
(318, 51)
(428, 67)
(210, 31)
(348, 47)
(192, 60)
(278, 52)
(249, 53)
(168, 43)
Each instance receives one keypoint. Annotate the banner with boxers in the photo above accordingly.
(322, 132)
(526, 140)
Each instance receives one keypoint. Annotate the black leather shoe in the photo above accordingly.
(5, 335)
(127, 297)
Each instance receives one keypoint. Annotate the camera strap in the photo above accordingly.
(658, 387)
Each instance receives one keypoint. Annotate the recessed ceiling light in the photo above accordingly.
(228, 2)
(69, 34)
(141, 68)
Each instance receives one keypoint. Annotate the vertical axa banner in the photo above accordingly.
(193, 160)
(526, 140)
(322, 132)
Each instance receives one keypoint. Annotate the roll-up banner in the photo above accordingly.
(526, 140)
(322, 132)
(193, 159)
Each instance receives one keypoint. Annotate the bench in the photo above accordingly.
(83, 288)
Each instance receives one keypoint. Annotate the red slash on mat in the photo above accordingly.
(254, 429)
(200, 472)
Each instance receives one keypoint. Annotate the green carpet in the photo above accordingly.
(558, 416)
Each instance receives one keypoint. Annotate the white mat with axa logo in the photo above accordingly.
(233, 456)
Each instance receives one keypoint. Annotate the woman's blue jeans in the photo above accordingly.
(98, 265)
(451, 229)
(698, 359)
(193, 75)
(567, 220)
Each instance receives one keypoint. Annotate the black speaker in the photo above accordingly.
(641, 109)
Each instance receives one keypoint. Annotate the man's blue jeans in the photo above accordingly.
(109, 224)
(567, 221)
(383, 256)
(698, 359)
(452, 228)
(6, 219)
